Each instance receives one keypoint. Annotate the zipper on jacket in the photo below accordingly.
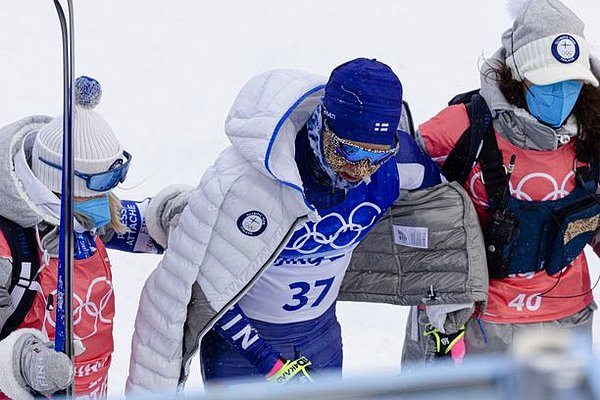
(211, 323)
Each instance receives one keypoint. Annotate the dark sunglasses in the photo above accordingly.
(102, 181)
(354, 153)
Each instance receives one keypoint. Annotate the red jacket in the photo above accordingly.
(538, 175)
(93, 313)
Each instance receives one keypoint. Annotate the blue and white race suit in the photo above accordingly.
(292, 305)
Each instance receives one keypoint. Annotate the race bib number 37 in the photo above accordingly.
(304, 291)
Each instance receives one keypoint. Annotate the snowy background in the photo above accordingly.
(171, 69)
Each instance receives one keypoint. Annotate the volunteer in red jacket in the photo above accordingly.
(536, 121)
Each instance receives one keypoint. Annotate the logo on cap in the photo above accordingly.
(381, 126)
(329, 114)
(252, 223)
(565, 49)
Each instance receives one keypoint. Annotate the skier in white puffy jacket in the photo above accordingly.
(255, 263)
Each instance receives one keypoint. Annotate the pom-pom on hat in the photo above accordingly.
(363, 102)
(95, 146)
(546, 44)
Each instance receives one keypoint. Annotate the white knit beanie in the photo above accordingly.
(546, 44)
(95, 146)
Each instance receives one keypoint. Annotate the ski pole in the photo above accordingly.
(64, 290)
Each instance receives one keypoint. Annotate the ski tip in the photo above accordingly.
(87, 92)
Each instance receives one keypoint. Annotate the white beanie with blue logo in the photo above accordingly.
(546, 44)
(95, 146)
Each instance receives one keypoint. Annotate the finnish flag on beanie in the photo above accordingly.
(546, 44)
(95, 146)
(363, 102)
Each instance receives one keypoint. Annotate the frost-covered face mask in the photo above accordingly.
(96, 209)
(353, 159)
(552, 104)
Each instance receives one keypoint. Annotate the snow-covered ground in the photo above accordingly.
(171, 69)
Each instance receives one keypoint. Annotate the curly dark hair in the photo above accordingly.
(586, 110)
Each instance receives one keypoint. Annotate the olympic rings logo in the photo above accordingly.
(87, 308)
(558, 191)
(334, 230)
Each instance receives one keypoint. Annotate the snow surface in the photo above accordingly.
(171, 69)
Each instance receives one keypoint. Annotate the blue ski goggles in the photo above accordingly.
(354, 154)
(101, 181)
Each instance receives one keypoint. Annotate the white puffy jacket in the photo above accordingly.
(210, 261)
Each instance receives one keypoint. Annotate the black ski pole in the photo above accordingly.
(64, 290)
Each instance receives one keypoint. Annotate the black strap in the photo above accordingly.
(459, 162)
(463, 98)
(595, 167)
(461, 159)
(25, 267)
(493, 173)
(467, 151)
(589, 172)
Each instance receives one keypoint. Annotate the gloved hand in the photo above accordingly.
(443, 345)
(296, 371)
(41, 368)
(164, 211)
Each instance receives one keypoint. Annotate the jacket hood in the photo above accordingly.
(266, 116)
(23, 198)
(516, 124)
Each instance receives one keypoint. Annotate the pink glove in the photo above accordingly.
(458, 351)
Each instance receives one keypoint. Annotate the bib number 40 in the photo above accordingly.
(532, 302)
(303, 288)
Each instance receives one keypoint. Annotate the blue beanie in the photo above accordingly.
(363, 102)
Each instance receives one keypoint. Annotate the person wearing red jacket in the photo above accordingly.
(533, 180)
(29, 217)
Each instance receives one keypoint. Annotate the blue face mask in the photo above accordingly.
(96, 209)
(552, 104)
